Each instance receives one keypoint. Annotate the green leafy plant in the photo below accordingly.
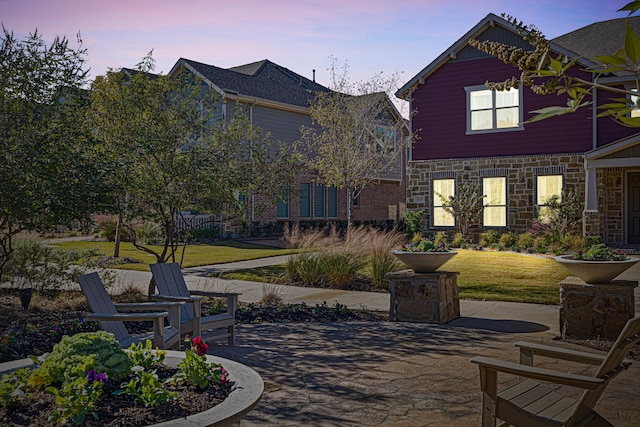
(146, 388)
(424, 245)
(194, 368)
(76, 397)
(601, 252)
(81, 352)
(489, 238)
(413, 221)
(144, 355)
(507, 240)
(13, 386)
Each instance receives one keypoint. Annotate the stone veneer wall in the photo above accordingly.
(520, 171)
(611, 202)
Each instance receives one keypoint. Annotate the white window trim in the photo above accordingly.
(469, 89)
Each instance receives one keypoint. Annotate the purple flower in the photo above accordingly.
(93, 376)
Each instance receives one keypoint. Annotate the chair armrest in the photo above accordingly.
(214, 294)
(123, 317)
(146, 306)
(581, 381)
(160, 297)
(172, 307)
(528, 350)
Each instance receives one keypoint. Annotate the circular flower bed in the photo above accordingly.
(88, 377)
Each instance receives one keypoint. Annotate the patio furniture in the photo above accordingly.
(106, 312)
(530, 403)
(172, 287)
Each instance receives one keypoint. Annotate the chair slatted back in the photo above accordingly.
(610, 367)
(100, 303)
(170, 281)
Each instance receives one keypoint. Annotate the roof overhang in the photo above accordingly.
(490, 21)
(600, 157)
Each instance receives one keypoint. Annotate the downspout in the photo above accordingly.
(591, 185)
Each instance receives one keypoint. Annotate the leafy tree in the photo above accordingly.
(48, 168)
(357, 134)
(465, 206)
(545, 73)
(173, 152)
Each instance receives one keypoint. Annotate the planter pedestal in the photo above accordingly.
(423, 297)
(590, 310)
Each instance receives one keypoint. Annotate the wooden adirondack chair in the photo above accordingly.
(106, 312)
(530, 403)
(172, 287)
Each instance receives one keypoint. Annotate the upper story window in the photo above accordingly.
(493, 111)
(636, 111)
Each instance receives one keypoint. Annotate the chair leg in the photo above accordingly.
(232, 334)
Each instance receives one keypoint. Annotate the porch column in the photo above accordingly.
(591, 189)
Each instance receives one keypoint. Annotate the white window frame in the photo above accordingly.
(489, 204)
(494, 127)
(438, 212)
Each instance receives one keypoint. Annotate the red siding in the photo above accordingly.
(608, 130)
(440, 119)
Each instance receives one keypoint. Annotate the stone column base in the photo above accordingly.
(597, 311)
(423, 297)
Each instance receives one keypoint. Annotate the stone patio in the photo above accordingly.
(392, 374)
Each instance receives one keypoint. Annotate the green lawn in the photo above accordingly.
(195, 255)
(484, 275)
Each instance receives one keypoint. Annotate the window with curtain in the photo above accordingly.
(547, 186)
(491, 110)
(446, 188)
(494, 201)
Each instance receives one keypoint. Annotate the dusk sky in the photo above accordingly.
(372, 36)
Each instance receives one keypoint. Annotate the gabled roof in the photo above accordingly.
(489, 21)
(602, 38)
(260, 80)
(598, 39)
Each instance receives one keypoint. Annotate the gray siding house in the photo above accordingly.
(277, 101)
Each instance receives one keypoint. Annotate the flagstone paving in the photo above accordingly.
(391, 374)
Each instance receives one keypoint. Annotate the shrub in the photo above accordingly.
(489, 238)
(572, 243)
(339, 268)
(76, 355)
(413, 221)
(525, 240)
(36, 265)
(507, 240)
(541, 245)
(588, 241)
(458, 241)
(441, 239)
(305, 267)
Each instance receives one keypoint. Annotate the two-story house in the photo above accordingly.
(277, 101)
(467, 132)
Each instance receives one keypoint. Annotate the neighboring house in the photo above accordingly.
(277, 100)
(466, 132)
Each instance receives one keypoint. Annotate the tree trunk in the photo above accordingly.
(116, 246)
(349, 207)
(152, 287)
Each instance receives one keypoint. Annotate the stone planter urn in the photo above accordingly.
(423, 262)
(245, 396)
(596, 272)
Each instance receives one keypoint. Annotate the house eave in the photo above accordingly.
(613, 147)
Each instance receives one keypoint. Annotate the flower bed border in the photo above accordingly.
(245, 396)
